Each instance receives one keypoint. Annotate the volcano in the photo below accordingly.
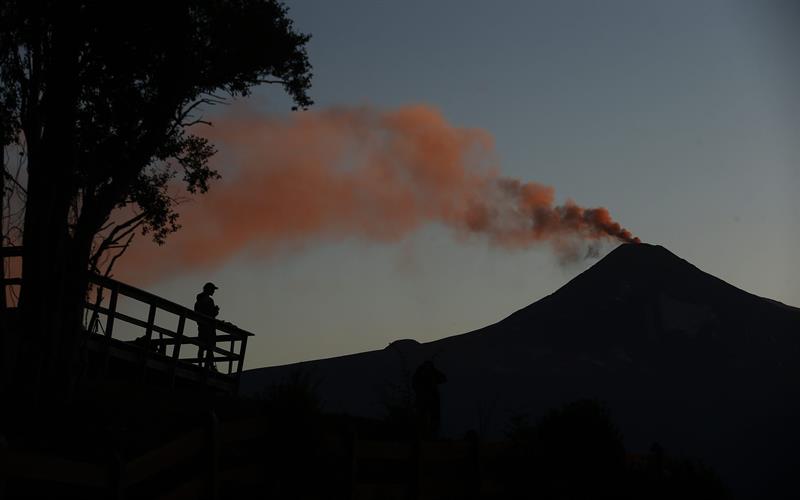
(679, 356)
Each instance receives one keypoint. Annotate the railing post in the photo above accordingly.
(176, 351)
(240, 361)
(94, 320)
(112, 310)
(210, 343)
(230, 360)
(148, 335)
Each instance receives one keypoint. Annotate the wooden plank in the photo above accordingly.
(215, 359)
(195, 341)
(53, 469)
(170, 454)
(218, 338)
(130, 319)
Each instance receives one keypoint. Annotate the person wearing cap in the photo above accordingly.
(205, 329)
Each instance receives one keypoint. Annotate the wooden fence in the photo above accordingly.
(164, 340)
(163, 327)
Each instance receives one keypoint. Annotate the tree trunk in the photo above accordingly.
(5, 333)
(54, 260)
(51, 298)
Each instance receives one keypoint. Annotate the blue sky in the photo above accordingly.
(681, 117)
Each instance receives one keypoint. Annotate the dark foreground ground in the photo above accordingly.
(126, 441)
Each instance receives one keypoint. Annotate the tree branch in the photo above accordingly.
(16, 183)
(115, 236)
(123, 248)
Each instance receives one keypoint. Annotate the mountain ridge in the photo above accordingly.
(680, 356)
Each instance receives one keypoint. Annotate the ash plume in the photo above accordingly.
(362, 173)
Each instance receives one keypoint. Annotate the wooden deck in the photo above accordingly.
(131, 333)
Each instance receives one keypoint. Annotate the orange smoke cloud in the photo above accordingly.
(377, 175)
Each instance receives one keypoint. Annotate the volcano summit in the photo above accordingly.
(680, 357)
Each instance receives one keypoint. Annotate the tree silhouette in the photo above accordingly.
(98, 96)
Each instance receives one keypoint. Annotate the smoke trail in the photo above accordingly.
(377, 175)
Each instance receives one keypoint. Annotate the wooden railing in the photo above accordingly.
(158, 340)
(163, 340)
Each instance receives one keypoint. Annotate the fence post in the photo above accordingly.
(213, 455)
(240, 361)
(230, 360)
(112, 311)
(176, 351)
(148, 336)
(210, 344)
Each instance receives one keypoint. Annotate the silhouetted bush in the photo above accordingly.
(577, 452)
(663, 477)
(572, 452)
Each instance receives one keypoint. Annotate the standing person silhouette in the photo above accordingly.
(205, 329)
(426, 383)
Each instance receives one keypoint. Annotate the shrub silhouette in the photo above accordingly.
(575, 451)
(582, 451)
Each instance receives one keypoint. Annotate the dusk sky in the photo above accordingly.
(681, 117)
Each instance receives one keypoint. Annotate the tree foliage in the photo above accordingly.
(100, 97)
(127, 80)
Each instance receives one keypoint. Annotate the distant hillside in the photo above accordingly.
(681, 357)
